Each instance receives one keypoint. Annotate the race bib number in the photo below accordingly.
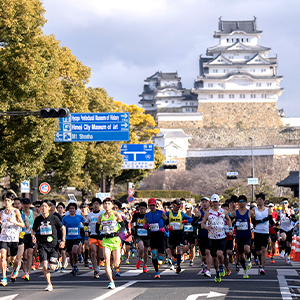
(73, 231)
(188, 228)
(242, 225)
(45, 230)
(154, 227)
(109, 226)
(142, 232)
(175, 225)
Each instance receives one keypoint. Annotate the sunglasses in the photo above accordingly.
(37, 206)
(242, 201)
(285, 202)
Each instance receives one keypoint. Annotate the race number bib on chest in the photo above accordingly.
(154, 227)
(73, 231)
(175, 225)
(241, 225)
(45, 230)
(142, 232)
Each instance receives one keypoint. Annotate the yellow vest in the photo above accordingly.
(175, 222)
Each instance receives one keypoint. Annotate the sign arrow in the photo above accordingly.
(124, 125)
(135, 153)
(209, 295)
(9, 297)
(124, 116)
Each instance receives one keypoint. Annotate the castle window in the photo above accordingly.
(230, 57)
(242, 95)
(237, 40)
(211, 96)
(246, 57)
(264, 96)
(242, 40)
(247, 40)
(232, 40)
(221, 84)
(215, 70)
(166, 101)
(210, 85)
(263, 70)
(258, 84)
(227, 40)
(269, 83)
(220, 96)
(252, 70)
(231, 96)
(253, 95)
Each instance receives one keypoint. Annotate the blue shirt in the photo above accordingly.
(73, 225)
(155, 217)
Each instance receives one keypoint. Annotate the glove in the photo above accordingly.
(161, 229)
(145, 226)
(184, 221)
(170, 228)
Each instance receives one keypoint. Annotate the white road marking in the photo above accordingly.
(287, 272)
(169, 272)
(284, 288)
(209, 295)
(118, 289)
(250, 272)
(212, 272)
(9, 297)
(132, 273)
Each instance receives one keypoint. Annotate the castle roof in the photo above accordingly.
(163, 76)
(172, 133)
(236, 48)
(228, 27)
(291, 180)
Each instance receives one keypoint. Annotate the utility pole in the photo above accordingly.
(252, 171)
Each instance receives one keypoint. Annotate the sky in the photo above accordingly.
(124, 42)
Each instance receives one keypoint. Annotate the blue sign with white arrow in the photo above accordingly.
(93, 127)
(138, 156)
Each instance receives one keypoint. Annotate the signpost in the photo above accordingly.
(25, 187)
(102, 196)
(130, 199)
(130, 192)
(45, 188)
(93, 127)
(138, 156)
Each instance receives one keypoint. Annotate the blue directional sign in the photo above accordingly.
(138, 156)
(92, 127)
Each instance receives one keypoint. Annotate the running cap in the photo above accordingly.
(205, 198)
(71, 201)
(215, 198)
(188, 205)
(26, 201)
(271, 204)
(124, 205)
(152, 201)
(177, 202)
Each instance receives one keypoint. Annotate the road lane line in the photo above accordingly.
(284, 288)
(118, 289)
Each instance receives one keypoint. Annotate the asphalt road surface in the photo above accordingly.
(280, 282)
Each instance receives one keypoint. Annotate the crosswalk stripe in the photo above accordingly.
(170, 272)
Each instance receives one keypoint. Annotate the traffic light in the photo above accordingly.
(170, 166)
(54, 112)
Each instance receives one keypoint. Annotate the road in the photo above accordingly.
(280, 282)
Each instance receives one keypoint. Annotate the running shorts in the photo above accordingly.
(241, 243)
(216, 245)
(71, 243)
(260, 240)
(12, 246)
(176, 239)
(112, 243)
(49, 254)
(289, 235)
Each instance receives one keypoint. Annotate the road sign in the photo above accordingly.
(45, 188)
(102, 196)
(170, 162)
(92, 127)
(72, 197)
(25, 186)
(130, 199)
(253, 181)
(130, 192)
(138, 156)
(232, 173)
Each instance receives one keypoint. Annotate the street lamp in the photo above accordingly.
(252, 169)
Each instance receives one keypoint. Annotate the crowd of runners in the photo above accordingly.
(50, 236)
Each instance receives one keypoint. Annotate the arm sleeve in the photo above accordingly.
(98, 228)
(123, 226)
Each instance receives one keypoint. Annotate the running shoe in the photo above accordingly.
(222, 271)
(207, 273)
(23, 277)
(102, 263)
(246, 276)
(160, 262)
(282, 254)
(172, 267)
(80, 259)
(237, 267)
(127, 262)
(15, 273)
(144, 269)
(262, 271)
(86, 264)
(166, 261)
(76, 269)
(191, 263)
(62, 270)
(256, 262)
(228, 272)
(118, 273)
(96, 275)
(4, 281)
(91, 266)
(218, 277)
(288, 260)
(272, 261)
(178, 270)
(49, 288)
(231, 259)
(27, 278)
(111, 285)
(157, 275)
(138, 264)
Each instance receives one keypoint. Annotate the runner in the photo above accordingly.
(11, 222)
(155, 219)
(189, 235)
(273, 233)
(262, 217)
(48, 225)
(141, 236)
(202, 236)
(109, 225)
(215, 219)
(243, 233)
(176, 219)
(95, 243)
(287, 216)
(73, 222)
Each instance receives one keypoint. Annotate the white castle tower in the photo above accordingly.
(238, 83)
